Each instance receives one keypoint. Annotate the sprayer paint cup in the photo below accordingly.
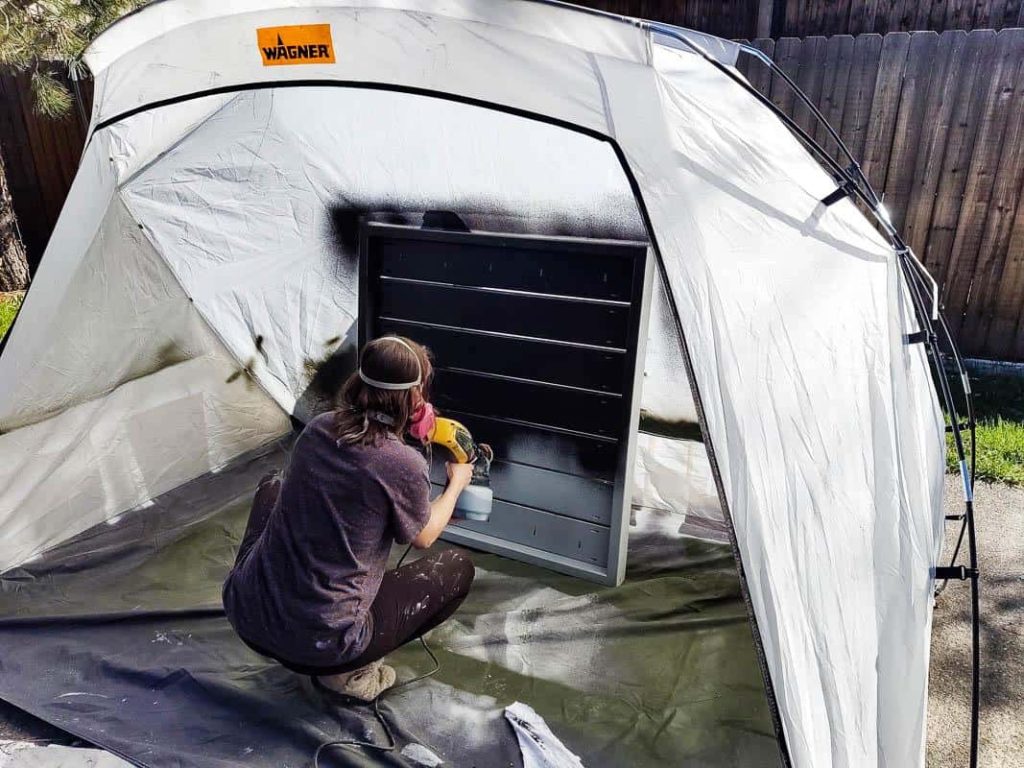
(475, 503)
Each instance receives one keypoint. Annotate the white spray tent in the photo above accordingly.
(200, 269)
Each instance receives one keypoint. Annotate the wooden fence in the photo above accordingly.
(41, 157)
(802, 18)
(938, 124)
(937, 120)
(731, 19)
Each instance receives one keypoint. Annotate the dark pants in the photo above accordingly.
(411, 601)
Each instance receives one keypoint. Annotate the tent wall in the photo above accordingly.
(256, 211)
(828, 438)
(128, 394)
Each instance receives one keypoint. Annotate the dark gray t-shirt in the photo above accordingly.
(303, 592)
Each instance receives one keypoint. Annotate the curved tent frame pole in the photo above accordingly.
(924, 293)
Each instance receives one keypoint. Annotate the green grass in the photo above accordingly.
(9, 303)
(999, 406)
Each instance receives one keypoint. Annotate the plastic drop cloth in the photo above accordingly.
(659, 671)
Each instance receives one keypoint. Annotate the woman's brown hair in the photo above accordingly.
(365, 409)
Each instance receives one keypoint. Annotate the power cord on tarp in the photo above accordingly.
(392, 743)
(217, 611)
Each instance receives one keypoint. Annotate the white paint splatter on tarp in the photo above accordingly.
(541, 633)
(24, 754)
(421, 755)
(539, 746)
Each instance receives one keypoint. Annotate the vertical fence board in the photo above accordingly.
(991, 262)
(1004, 337)
(884, 107)
(992, 16)
(984, 167)
(838, 66)
(958, 14)
(808, 79)
(910, 124)
(41, 157)
(1011, 16)
(787, 56)
(858, 18)
(867, 50)
(22, 181)
(937, 15)
(1010, 344)
(969, 97)
(41, 152)
(935, 133)
(760, 75)
(791, 18)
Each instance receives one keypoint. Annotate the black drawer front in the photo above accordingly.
(522, 314)
(533, 360)
(547, 406)
(545, 531)
(559, 451)
(510, 265)
(577, 497)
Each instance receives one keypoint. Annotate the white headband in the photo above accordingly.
(391, 386)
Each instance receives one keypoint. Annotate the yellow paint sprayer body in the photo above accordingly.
(475, 501)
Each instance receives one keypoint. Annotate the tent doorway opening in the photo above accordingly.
(252, 224)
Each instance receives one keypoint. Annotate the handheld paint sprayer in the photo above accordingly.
(476, 500)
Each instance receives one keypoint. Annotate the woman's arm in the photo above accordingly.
(443, 506)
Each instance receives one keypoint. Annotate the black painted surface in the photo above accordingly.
(540, 317)
(578, 410)
(515, 264)
(559, 451)
(537, 360)
(544, 531)
(582, 498)
(534, 342)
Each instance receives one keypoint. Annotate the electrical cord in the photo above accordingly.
(375, 708)
(392, 743)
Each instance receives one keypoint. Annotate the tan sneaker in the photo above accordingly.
(365, 683)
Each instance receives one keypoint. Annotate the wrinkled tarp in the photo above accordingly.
(117, 637)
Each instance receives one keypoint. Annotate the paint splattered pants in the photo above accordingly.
(411, 601)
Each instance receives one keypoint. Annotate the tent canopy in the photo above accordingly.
(199, 275)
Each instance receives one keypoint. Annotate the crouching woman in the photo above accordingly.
(309, 587)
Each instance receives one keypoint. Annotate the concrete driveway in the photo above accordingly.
(1000, 524)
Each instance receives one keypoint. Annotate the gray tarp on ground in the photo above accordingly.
(134, 656)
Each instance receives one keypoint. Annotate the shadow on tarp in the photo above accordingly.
(117, 637)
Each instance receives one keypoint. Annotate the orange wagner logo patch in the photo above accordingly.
(300, 44)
